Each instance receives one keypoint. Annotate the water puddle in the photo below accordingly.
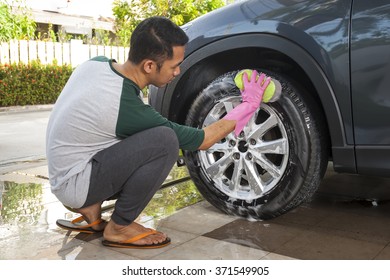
(171, 199)
(20, 203)
(28, 212)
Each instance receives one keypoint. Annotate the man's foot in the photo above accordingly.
(133, 236)
(92, 214)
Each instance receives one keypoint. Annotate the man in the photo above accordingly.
(103, 142)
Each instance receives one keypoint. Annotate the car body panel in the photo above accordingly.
(315, 35)
(321, 28)
(370, 80)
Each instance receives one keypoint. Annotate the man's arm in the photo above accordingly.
(216, 131)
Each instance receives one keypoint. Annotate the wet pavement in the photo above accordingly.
(334, 225)
(347, 219)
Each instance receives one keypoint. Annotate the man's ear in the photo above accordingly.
(149, 66)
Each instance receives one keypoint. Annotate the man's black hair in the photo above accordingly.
(154, 39)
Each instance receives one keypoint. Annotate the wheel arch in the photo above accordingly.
(275, 53)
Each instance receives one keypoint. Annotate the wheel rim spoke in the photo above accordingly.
(258, 131)
(219, 147)
(237, 174)
(217, 169)
(228, 106)
(253, 178)
(267, 165)
(278, 146)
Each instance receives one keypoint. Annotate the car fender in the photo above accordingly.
(342, 153)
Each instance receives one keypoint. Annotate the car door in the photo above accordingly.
(370, 84)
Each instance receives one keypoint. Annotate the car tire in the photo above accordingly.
(277, 162)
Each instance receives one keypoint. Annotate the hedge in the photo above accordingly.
(32, 84)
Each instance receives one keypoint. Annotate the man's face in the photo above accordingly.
(170, 68)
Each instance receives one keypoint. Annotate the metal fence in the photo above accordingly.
(72, 53)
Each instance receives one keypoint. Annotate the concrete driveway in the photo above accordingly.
(22, 135)
(335, 225)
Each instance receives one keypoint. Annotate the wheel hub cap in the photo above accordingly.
(243, 146)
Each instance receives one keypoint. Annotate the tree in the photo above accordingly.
(131, 12)
(15, 22)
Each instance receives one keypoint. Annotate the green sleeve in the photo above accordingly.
(100, 58)
(135, 116)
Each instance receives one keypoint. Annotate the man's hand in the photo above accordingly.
(254, 89)
(252, 95)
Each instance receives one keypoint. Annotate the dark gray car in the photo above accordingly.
(332, 58)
